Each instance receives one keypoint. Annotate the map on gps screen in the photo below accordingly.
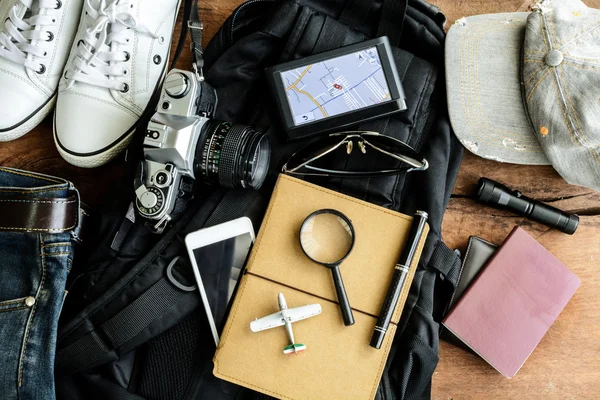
(335, 86)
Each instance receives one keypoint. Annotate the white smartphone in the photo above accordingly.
(218, 255)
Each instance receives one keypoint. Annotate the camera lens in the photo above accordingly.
(232, 155)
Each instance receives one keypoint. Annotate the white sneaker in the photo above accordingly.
(35, 40)
(117, 62)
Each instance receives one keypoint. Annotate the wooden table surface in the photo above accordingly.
(566, 364)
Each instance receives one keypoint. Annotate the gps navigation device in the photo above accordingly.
(330, 90)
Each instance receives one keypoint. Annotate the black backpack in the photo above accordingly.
(129, 330)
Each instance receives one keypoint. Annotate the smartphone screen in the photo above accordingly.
(220, 265)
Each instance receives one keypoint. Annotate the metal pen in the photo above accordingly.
(399, 278)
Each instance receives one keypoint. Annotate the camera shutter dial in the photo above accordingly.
(148, 199)
(177, 85)
(150, 202)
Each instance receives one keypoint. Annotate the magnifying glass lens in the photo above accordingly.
(326, 238)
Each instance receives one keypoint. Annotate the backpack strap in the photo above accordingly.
(355, 12)
(93, 339)
(446, 262)
(334, 35)
(391, 19)
(101, 345)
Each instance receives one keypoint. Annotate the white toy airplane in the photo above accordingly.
(286, 316)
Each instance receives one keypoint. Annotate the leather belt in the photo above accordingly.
(29, 214)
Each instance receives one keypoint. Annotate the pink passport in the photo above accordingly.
(512, 304)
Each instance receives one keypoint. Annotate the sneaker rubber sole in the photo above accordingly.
(95, 160)
(33, 121)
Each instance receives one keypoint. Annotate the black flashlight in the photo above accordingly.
(499, 196)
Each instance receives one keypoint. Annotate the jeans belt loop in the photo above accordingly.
(78, 233)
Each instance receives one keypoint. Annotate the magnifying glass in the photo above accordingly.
(327, 238)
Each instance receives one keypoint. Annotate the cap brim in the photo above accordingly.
(483, 63)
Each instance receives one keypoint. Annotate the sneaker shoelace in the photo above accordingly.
(24, 25)
(97, 61)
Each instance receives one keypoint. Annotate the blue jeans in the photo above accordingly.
(34, 264)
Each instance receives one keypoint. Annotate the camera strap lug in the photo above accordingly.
(198, 72)
(196, 27)
(162, 224)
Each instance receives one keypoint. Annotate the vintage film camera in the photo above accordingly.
(183, 142)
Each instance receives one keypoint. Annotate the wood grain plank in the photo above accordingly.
(455, 9)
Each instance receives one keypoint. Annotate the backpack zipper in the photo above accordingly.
(237, 11)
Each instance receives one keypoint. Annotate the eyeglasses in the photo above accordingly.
(302, 162)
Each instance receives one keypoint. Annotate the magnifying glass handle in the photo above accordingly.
(342, 297)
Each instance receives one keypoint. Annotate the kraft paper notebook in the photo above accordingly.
(338, 362)
(513, 302)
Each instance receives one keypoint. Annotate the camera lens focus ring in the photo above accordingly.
(233, 146)
(233, 156)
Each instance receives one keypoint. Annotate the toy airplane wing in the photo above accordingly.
(303, 312)
(268, 322)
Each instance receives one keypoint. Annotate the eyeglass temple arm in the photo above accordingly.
(419, 165)
(314, 158)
